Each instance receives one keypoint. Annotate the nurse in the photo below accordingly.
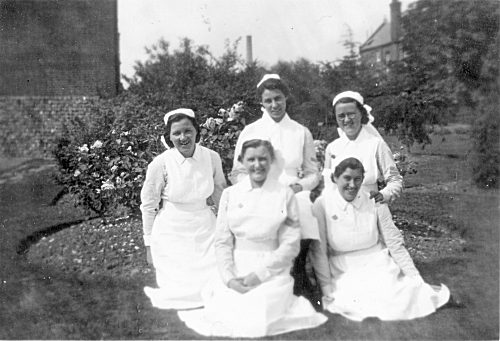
(178, 224)
(295, 164)
(359, 139)
(361, 263)
(257, 239)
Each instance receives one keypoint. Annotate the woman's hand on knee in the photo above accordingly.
(251, 280)
(237, 285)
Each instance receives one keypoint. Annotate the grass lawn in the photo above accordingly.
(42, 302)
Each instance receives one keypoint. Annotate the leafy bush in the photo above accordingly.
(221, 133)
(191, 77)
(103, 165)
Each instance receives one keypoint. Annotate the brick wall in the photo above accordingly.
(59, 48)
(31, 125)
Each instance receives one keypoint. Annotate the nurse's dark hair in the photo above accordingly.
(255, 143)
(361, 108)
(273, 84)
(176, 118)
(351, 163)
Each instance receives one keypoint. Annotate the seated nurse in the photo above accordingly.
(257, 238)
(361, 263)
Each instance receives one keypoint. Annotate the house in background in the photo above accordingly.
(384, 45)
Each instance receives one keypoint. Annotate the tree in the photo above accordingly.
(309, 100)
(191, 77)
(451, 52)
(445, 44)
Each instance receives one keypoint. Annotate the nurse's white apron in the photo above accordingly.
(269, 309)
(183, 233)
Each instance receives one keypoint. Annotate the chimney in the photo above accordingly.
(249, 50)
(395, 20)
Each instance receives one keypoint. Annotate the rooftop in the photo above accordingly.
(381, 37)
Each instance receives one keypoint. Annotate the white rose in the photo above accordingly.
(84, 148)
(97, 144)
(107, 185)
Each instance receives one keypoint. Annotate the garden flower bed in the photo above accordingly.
(115, 248)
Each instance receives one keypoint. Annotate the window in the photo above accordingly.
(387, 56)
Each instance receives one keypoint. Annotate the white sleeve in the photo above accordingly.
(219, 178)
(155, 182)
(319, 249)
(309, 164)
(387, 168)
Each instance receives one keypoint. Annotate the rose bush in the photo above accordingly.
(221, 132)
(102, 161)
(103, 165)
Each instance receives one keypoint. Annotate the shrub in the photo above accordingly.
(403, 162)
(103, 163)
(220, 132)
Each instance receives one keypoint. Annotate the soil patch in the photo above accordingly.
(95, 248)
(116, 249)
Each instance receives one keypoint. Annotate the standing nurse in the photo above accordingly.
(359, 139)
(178, 224)
(295, 154)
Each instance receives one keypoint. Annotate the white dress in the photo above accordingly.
(294, 150)
(257, 231)
(181, 233)
(375, 156)
(361, 262)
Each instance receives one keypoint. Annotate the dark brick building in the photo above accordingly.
(59, 48)
(57, 58)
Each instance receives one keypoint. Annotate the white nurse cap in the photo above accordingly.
(268, 76)
(358, 98)
(187, 112)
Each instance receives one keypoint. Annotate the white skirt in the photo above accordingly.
(183, 255)
(372, 285)
(269, 309)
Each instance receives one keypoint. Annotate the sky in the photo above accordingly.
(281, 29)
